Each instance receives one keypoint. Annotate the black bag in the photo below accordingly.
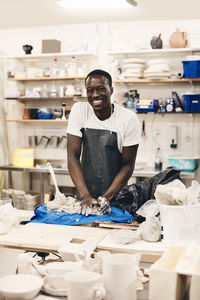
(133, 196)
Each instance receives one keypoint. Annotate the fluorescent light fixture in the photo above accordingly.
(92, 4)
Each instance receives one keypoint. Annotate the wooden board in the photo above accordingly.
(48, 237)
(150, 252)
(133, 225)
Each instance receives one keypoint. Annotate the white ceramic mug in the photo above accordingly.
(57, 270)
(119, 274)
(84, 285)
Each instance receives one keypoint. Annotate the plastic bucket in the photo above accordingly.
(180, 224)
(23, 157)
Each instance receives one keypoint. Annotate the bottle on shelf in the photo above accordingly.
(53, 91)
(61, 91)
(63, 111)
(71, 67)
(54, 69)
(129, 103)
(31, 70)
(158, 162)
(134, 95)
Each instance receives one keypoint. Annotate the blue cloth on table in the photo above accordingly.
(42, 215)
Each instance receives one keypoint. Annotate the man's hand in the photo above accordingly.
(104, 205)
(86, 205)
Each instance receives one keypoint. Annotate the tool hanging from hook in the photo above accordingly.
(143, 128)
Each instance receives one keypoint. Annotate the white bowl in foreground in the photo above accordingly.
(20, 286)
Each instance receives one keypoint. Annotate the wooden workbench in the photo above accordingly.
(48, 238)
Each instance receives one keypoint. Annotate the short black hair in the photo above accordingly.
(102, 73)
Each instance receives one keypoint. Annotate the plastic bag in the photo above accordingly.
(123, 236)
(133, 196)
(173, 193)
(148, 209)
(8, 218)
(193, 193)
(150, 230)
(176, 193)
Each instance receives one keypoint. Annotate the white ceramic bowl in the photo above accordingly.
(61, 268)
(20, 286)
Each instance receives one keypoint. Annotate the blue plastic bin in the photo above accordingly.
(183, 164)
(191, 68)
(152, 106)
(44, 116)
(192, 103)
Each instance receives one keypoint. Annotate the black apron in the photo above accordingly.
(101, 160)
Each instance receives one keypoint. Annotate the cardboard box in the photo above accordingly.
(51, 46)
(164, 280)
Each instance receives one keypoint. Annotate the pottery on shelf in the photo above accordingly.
(178, 39)
(156, 42)
(27, 49)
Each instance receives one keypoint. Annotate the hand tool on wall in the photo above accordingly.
(143, 128)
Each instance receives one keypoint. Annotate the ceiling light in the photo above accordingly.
(92, 4)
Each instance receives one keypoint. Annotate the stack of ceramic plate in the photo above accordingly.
(157, 68)
(133, 67)
(192, 57)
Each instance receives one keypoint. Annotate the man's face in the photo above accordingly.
(99, 93)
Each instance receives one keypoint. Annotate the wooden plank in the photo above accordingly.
(48, 237)
(134, 225)
(150, 252)
(46, 121)
(47, 78)
(161, 80)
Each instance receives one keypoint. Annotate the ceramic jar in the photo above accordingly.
(178, 39)
(156, 42)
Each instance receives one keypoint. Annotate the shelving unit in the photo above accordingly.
(43, 78)
(175, 56)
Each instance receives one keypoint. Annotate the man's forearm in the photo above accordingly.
(77, 177)
(119, 182)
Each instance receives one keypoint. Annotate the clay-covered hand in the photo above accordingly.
(104, 205)
(86, 205)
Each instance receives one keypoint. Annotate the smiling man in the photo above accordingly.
(102, 143)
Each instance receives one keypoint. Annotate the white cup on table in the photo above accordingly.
(119, 274)
(85, 285)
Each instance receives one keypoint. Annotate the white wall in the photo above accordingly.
(101, 38)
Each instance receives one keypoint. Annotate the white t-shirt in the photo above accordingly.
(122, 121)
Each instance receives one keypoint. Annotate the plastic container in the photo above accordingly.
(143, 106)
(191, 102)
(191, 68)
(33, 113)
(23, 157)
(27, 201)
(180, 224)
(45, 116)
(130, 104)
(185, 164)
